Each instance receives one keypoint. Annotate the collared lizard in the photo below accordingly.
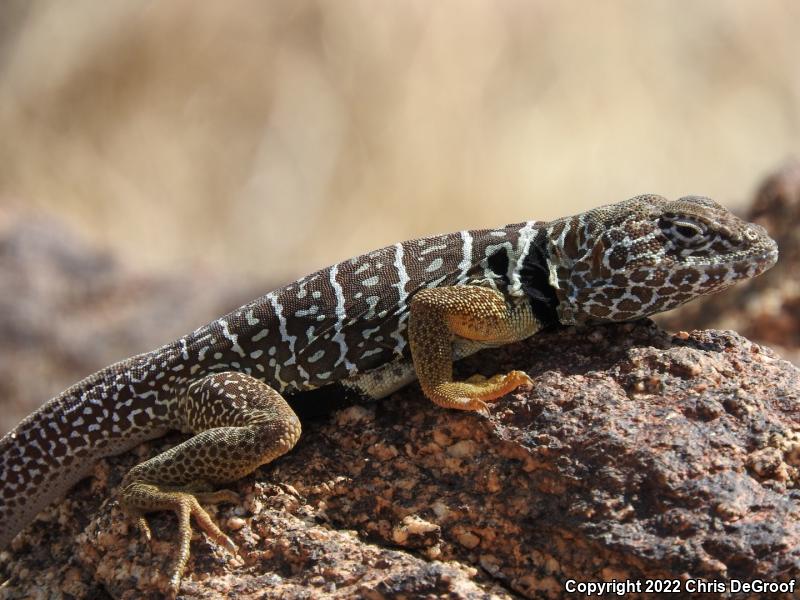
(366, 326)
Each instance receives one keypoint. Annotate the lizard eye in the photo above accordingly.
(685, 230)
(689, 230)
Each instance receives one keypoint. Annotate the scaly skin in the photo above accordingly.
(366, 326)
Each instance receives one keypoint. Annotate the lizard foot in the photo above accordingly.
(138, 498)
(475, 392)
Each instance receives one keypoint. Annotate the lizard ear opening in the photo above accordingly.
(597, 259)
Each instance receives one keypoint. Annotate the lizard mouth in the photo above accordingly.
(718, 275)
(769, 258)
(755, 264)
(743, 263)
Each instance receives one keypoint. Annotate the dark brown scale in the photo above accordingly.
(628, 305)
(619, 281)
(617, 259)
(644, 294)
(682, 296)
(580, 267)
(601, 311)
(615, 235)
(578, 280)
(677, 277)
(718, 271)
(612, 292)
(571, 243)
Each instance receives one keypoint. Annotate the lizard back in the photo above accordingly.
(351, 317)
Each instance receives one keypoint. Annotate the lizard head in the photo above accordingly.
(648, 254)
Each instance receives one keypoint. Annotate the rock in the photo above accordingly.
(765, 309)
(637, 455)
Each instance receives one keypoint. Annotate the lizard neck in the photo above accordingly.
(535, 280)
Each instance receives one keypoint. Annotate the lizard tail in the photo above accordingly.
(59, 444)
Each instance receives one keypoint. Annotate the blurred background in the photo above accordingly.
(272, 138)
(229, 147)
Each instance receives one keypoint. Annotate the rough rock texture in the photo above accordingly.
(637, 455)
(765, 309)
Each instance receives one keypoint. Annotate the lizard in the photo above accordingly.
(365, 327)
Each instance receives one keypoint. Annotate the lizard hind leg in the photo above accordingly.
(240, 424)
(473, 313)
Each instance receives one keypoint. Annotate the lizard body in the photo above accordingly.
(365, 326)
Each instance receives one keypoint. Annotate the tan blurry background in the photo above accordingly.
(272, 138)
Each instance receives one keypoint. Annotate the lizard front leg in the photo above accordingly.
(473, 313)
(241, 423)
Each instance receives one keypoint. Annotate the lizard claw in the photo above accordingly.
(522, 379)
(141, 522)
